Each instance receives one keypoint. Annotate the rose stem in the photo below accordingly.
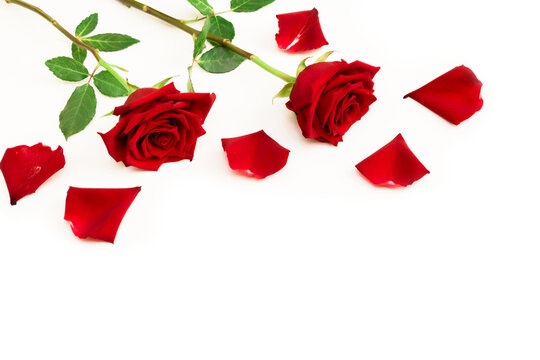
(181, 24)
(74, 39)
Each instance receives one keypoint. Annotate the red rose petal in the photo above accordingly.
(25, 168)
(455, 96)
(257, 154)
(393, 165)
(300, 31)
(97, 213)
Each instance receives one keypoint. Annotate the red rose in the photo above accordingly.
(158, 126)
(329, 97)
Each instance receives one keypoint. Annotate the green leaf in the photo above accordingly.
(108, 85)
(285, 92)
(203, 6)
(323, 57)
(162, 83)
(66, 68)
(221, 27)
(132, 88)
(248, 5)
(190, 83)
(110, 41)
(78, 54)
(302, 66)
(79, 111)
(220, 60)
(200, 41)
(87, 25)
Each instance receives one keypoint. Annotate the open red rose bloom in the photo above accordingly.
(393, 165)
(25, 168)
(256, 154)
(329, 97)
(158, 126)
(455, 95)
(300, 31)
(97, 213)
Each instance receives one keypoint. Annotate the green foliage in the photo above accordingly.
(285, 92)
(79, 110)
(110, 41)
(200, 40)
(203, 6)
(302, 66)
(190, 83)
(221, 27)
(78, 54)
(87, 25)
(108, 85)
(162, 83)
(323, 57)
(67, 68)
(220, 60)
(248, 5)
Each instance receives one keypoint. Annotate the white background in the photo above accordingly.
(313, 262)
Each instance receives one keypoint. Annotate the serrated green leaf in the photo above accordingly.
(248, 5)
(200, 41)
(323, 57)
(220, 60)
(78, 54)
(162, 83)
(87, 25)
(203, 6)
(79, 110)
(66, 68)
(110, 41)
(302, 66)
(221, 27)
(108, 85)
(190, 83)
(284, 92)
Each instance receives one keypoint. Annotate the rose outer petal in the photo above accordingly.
(393, 165)
(455, 95)
(97, 213)
(26, 168)
(300, 31)
(257, 154)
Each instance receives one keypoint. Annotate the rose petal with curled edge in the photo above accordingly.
(300, 31)
(455, 95)
(255, 154)
(25, 168)
(393, 165)
(97, 213)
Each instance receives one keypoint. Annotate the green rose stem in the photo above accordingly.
(182, 25)
(74, 39)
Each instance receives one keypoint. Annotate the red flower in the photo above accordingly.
(455, 96)
(257, 154)
(329, 97)
(26, 168)
(392, 165)
(300, 31)
(97, 213)
(158, 126)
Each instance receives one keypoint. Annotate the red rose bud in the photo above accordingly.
(300, 31)
(255, 154)
(25, 168)
(393, 165)
(97, 213)
(158, 126)
(329, 97)
(455, 96)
